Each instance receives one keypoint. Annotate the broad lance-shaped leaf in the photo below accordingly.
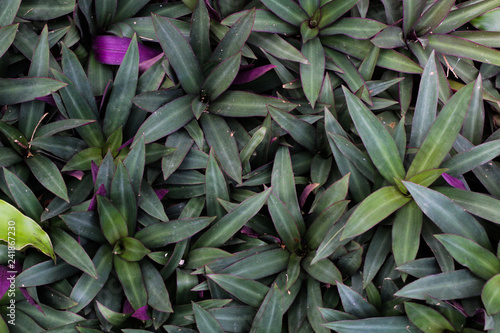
(443, 133)
(113, 224)
(376, 207)
(47, 173)
(284, 223)
(199, 34)
(374, 325)
(158, 297)
(13, 91)
(479, 260)
(312, 74)
(444, 286)
(123, 197)
(407, 225)
(233, 221)
(23, 196)
(471, 158)
(86, 288)
(447, 215)
(269, 317)
(216, 187)
(427, 319)
(163, 233)
(124, 87)
(205, 321)
(219, 137)
(432, 17)
(234, 39)
(378, 142)
(221, 77)
(130, 276)
(478, 204)
(300, 130)
(354, 303)
(167, 119)
(464, 48)
(426, 107)
(288, 10)
(70, 251)
(491, 295)
(248, 291)
(179, 54)
(27, 232)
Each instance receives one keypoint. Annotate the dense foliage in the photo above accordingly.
(250, 166)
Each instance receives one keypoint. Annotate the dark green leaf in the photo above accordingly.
(300, 130)
(14, 91)
(334, 10)
(130, 276)
(23, 196)
(248, 291)
(47, 173)
(113, 224)
(288, 10)
(311, 75)
(46, 10)
(270, 314)
(490, 295)
(374, 325)
(158, 297)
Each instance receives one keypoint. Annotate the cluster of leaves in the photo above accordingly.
(250, 166)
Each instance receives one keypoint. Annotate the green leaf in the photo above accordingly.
(179, 54)
(389, 38)
(83, 159)
(123, 197)
(333, 10)
(219, 137)
(158, 297)
(23, 196)
(182, 143)
(479, 260)
(432, 17)
(130, 249)
(150, 203)
(284, 223)
(444, 286)
(113, 224)
(247, 291)
(412, 10)
(354, 27)
(216, 187)
(46, 10)
(300, 130)
(23, 230)
(205, 321)
(265, 21)
(313, 302)
(227, 226)
(490, 295)
(461, 16)
(47, 173)
(471, 158)
(474, 120)
(268, 263)
(287, 10)
(7, 35)
(167, 119)
(478, 204)
(444, 131)
(311, 75)
(374, 325)
(130, 276)
(199, 35)
(405, 231)
(221, 77)
(124, 87)
(13, 91)
(322, 270)
(376, 255)
(48, 317)
(86, 288)
(70, 251)
(163, 233)
(463, 48)
(246, 104)
(323, 223)
(376, 207)
(427, 177)
(276, 46)
(112, 317)
(204, 255)
(45, 273)
(426, 107)
(447, 215)
(270, 314)
(354, 303)
(8, 11)
(378, 142)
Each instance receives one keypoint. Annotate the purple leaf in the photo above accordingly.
(110, 50)
(455, 182)
(214, 15)
(127, 143)
(95, 170)
(93, 202)
(47, 99)
(252, 74)
(307, 190)
(161, 193)
(249, 232)
(4, 282)
(144, 66)
(30, 299)
(127, 308)
(77, 174)
(141, 313)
